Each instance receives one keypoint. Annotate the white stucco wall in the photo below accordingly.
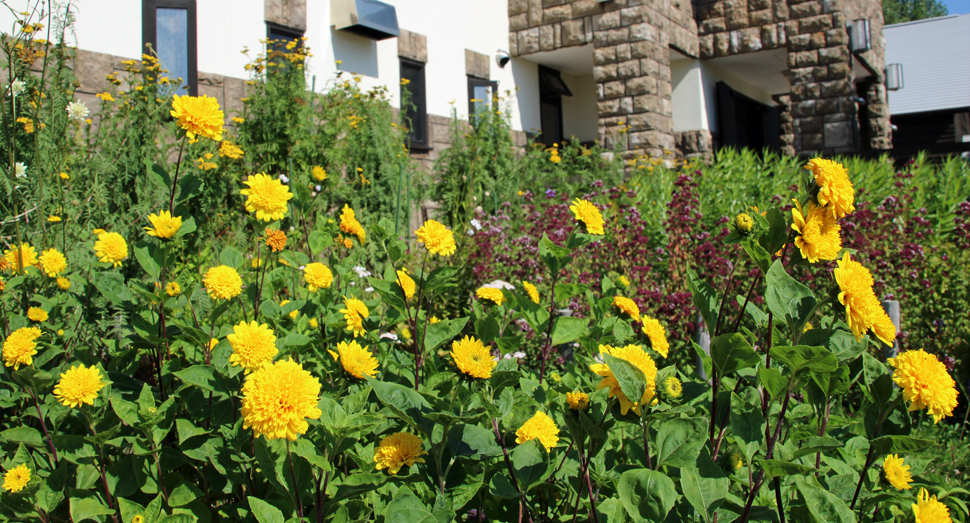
(579, 110)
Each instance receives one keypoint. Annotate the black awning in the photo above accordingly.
(368, 18)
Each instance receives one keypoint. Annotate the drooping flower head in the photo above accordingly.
(436, 238)
(589, 214)
(627, 306)
(164, 225)
(577, 400)
(862, 308)
(657, 335)
(532, 291)
(398, 450)
(36, 314)
(350, 225)
(635, 355)
(278, 398)
(835, 192)
(16, 478)
(20, 347)
(198, 115)
(492, 294)
(818, 232)
(356, 360)
(266, 197)
(541, 427)
(925, 382)
(896, 473)
(52, 263)
(472, 358)
(111, 248)
(928, 510)
(253, 345)
(355, 314)
(13, 257)
(407, 283)
(222, 282)
(317, 276)
(78, 385)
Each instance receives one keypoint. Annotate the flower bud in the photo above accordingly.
(743, 223)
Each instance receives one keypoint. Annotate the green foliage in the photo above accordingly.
(899, 11)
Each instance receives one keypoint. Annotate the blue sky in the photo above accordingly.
(957, 7)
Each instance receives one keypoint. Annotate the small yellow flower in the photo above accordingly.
(433, 320)
(491, 294)
(64, 176)
(863, 311)
(577, 400)
(111, 248)
(589, 214)
(314, 324)
(16, 478)
(317, 276)
(318, 173)
(237, 119)
(173, 289)
(627, 306)
(896, 473)
(164, 225)
(36, 314)
(398, 450)
(78, 385)
(222, 282)
(407, 284)
(253, 345)
(63, 283)
(818, 232)
(531, 291)
(736, 461)
(20, 347)
(540, 427)
(52, 263)
(350, 225)
(53, 218)
(436, 238)
(624, 281)
(25, 252)
(356, 360)
(355, 314)
(835, 192)
(635, 355)
(928, 510)
(473, 358)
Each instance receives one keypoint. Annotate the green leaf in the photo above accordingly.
(705, 486)
(554, 256)
(232, 257)
(500, 486)
(442, 332)
(472, 441)
(899, 445)
(803, 357)
(631, 379)
(319, 241)
(151, 257)
(647, 495)
(188, 227)
(757, 253)
(189, 186)
(531, 463)
(202, 376)
(772, 380)
(704, 297)
(27, 435)
(565, 291)
(88, 508)
(406, 403)
(264, 512)
(566, 329)
(731, 352)
(184, 494)
(622, 331)
(777, 468)
(823, 506)
(358, 483)
(33, 378)
(441, 278)
(161, 176)
(816, 444)
(747, 422)
(786, 298)
(407, 508)
(130, 509)
(777, 233)
(679, 441)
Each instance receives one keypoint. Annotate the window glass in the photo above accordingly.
(412, 81)
(172, 43)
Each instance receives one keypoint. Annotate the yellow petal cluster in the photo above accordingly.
(16, 478)
(577, 400)
(928, 510)
(355, 313)
(78, 385)
(436, 238)
(63, 283)
(835, 191)
(350, 225)
(657, 335)
(278, 398)
(541, 427)
(20, 347)
(356, 360)
(317, 276)
(36, 314)
(13, 257)
(896, 473)
(164, 225)
(473, 358)
(589, 214)
(672, 387)
(407, 283)
(532, 291)
(222, 282)
(253, 345)
(398, 450)
(173, 289)
(862, 308)
(641, 360)
(925, 382)
(818, 232)
(492, 294)
(111, 248)
(198, 115)
(319, 174)
(275, 240)
(627, 306)
(52, 263)
(267, 197)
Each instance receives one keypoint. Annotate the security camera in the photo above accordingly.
(502, 58)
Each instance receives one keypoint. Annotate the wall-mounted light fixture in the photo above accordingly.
(894, 77)
(502, 57)
(859, 36)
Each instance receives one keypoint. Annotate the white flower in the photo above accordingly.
(77, 111)
(389, 336)
(369, 289)
(517, 355)
(20, 170)
(471, 232)
(361, 272)
(476, 224)
(499, 284)
(17, 87)
(284, 178)
(317, 187)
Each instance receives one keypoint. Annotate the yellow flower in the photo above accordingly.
(577, 400)
(743, 223)
(554, 158)
(164, 225)
(63, 284)
(896, 473)
(491, 293)
(405, 333)
(925, 382)
(356, 360)
(111, 248)
(16, 478)
(473, 358)
(639, 358)
(407, 284)
(436, 238)
(54, 218)
(398, 450)
(657, 335)
(835, 191)
(433, 320)
(928, 510)
(222, 282)
(275, 240)
(589, 214)
(138, 519)
(173, 289)
(736, 461)
(624, 281)
(13, 257)
(79, 385)
(237, 119)
(540, 427)
(818, 233)
(256, 263)
(64, 176)
(317, 276)
(531, 291)
(106, 96)
(20, 347)
(266, 196)
(314, 323)
(198, 115)
(672, 387)
(230, 150)
(253, 345)
(350, 225)
(318, 173)
(355, 314)
(277, 398)
(36, 314)
(52, 263)
(627, 306)
(862, 308)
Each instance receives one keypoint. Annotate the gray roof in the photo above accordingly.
(935, 54)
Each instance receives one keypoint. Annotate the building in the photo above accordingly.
(678, 75)
(930, 106)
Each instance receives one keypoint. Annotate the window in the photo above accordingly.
(170, 27)
(551, 91)
(416, 111)
(278, 38)
(745, 122)
(480, 93)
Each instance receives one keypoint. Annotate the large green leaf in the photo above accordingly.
(531, 463)
(731, 352)
(83, 509)
(472, 441)
(823, 506)
(803, 357)
(440, 333)
(705, 486)
(632, 382)
(566, 329)
(747, 422)
(787, 298)
(778, 468)
(899, 445)
(406, 403)
(407, 508)
(264, 512)
(679, 441)
(647, 495)
(704, 297)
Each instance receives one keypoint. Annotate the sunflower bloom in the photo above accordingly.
(492, 294)
(356, 360)
(278, 398)
(672, 387)
(657, 335)
(473, 358)
(36, 314)
(319, 174)
(407, 283)
(862, 308)
(111, 248)
(52, 263)
(436, 238)
(835, 191)
(13, 257)
(164, 225)
(532, 291)
(589, 214)
(635, 355)
(266, 197)
(928, 510)
(896, 473)
(577, 400)
(253, 345)
(78, 385)
(398, 450)
(355, 314)
(20, 347)
(222, 282)
(350, 225)
(540, 427)
(627, 306)
(16, 478)
(198, 115)
(818, 233)
(925, 382)
(317, 276)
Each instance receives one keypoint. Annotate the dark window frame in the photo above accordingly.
(550, 98)
(473, 82)
(149, 35)
(419, 98)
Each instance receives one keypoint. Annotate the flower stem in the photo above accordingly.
(508, 463)
(175, 181)
(296, 491)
